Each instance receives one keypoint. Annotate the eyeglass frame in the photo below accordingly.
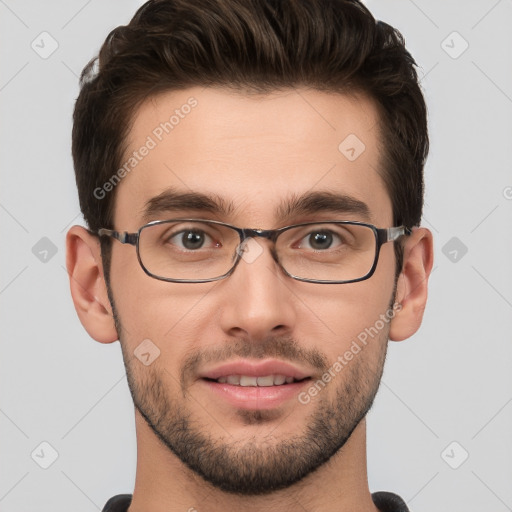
(382, 236)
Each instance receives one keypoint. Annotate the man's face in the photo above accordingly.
(255, 153)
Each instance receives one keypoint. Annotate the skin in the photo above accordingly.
(254, 151)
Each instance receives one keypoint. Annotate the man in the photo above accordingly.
(251, 174)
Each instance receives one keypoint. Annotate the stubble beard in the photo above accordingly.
(257, 466)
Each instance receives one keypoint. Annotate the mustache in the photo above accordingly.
(285, 348)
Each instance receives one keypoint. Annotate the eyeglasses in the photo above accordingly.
(199, 251)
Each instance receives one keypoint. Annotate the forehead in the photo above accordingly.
(252, 155)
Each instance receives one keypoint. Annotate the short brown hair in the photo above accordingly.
(259, 46)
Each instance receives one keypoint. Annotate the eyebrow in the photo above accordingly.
(309, 203)
(320, 202)
(172, 200)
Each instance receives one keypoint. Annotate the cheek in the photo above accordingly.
(171, 315)
(335, 316)
(342, 321)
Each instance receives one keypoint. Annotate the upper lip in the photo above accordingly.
(255, 369)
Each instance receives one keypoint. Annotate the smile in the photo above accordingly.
(262, 381)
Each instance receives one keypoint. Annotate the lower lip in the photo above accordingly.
(255, 397)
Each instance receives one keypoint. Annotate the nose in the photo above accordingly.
(257, 297)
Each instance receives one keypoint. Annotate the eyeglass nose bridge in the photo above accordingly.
(269, 234)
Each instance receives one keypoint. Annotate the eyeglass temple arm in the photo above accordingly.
(123, 236)
(392, 234)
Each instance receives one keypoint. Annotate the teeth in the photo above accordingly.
(266, 381)
(248, 380)
(279, 379)
(234, 379)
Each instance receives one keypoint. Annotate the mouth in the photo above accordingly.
(255, 385)
(259, 381)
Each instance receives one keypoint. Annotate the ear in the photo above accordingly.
(412, 285)
(88, 288)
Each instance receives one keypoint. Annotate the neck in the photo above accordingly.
(164, 484)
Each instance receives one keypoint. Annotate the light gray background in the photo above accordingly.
(451, 382)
